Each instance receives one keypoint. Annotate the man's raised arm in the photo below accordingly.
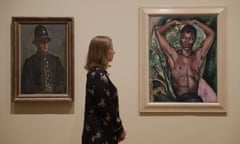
(207, 43)
(164, 44)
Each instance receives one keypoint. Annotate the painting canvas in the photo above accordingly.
(179, 59)
(42, 57)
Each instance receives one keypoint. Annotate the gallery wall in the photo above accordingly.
(61, 123)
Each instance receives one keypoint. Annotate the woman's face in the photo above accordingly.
(110, 54)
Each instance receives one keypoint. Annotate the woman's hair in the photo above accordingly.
(97, 53)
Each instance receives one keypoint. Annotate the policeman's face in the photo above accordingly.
(110, 54)
(187, 40)
(42, 47)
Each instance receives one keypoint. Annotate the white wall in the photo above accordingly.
(62, 124)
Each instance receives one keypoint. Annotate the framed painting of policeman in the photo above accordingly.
(42, 58)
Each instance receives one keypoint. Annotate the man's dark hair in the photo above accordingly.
(189, 29)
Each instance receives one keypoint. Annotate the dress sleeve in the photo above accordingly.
(106, 98)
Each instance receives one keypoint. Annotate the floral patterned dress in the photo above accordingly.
(102, 123)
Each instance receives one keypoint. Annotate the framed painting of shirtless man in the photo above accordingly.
(180, 62)
(42, 59)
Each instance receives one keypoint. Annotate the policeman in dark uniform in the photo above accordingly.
(43, 72)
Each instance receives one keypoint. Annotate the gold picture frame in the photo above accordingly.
(33, 79)
(149, 60)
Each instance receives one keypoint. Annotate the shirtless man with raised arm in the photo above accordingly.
(185, 64)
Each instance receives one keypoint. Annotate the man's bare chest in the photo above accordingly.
(189, 63)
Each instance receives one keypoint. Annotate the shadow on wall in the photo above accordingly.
(42, 108)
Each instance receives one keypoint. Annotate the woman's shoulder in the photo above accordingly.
(98, 74)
